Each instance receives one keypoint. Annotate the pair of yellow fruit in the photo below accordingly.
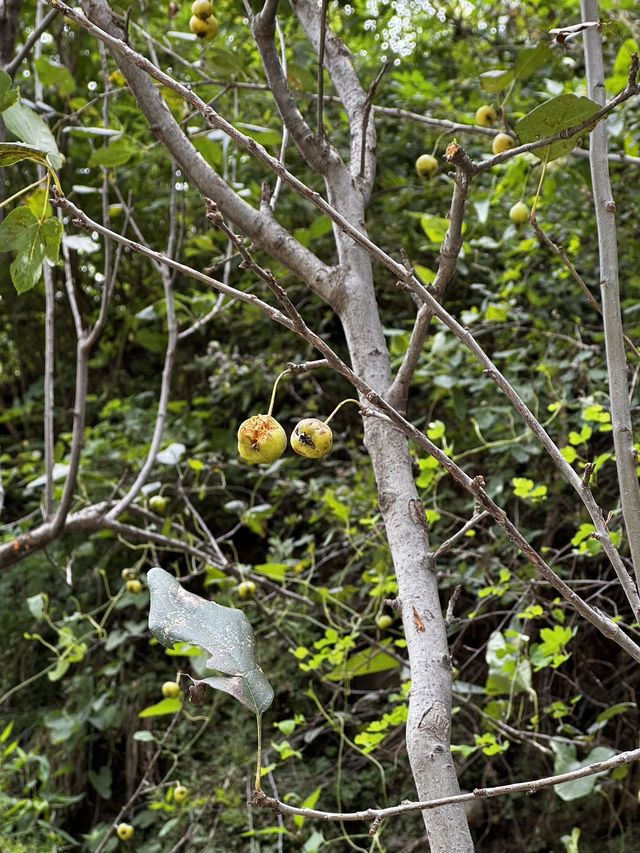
(486, 116)
(203, 23)
(261, 439)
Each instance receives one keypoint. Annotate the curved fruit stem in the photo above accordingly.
(273, 392)
(340, 405)
(258, 784)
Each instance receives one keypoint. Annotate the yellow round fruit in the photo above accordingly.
(198, 26)
(261, 440)
(426, 165)
(201, 9)
(501, 142)
(171, 690)
(180, 793)
(158, 504)
(134, 586)
(124, 831)
(212, 28)
(519, 213)
(384, 621)
(312, 438)
(246, 589)
(486, 116)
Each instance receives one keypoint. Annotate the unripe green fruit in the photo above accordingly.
(134, 586)
(312, 438)
(384, 621)
(261, 440)
(171, 690)
(519, 213)
(501, 142)
(158, 504)
(246, 589)
(201, 9)
(180, 793)
(124, 831)
(486, 116)
(426, 165)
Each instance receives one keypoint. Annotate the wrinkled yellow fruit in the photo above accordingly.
(261, 440)
(501, 142)
(312, 438)
(124, 831)
(486, 116)
(426, 165)
(519, 213)
(201, 9)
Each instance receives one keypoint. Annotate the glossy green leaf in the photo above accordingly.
(530, 60)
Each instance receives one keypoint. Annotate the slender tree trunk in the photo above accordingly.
(429, 725)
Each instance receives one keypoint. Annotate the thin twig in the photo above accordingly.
(366, 115)
(24, 51)
(449, 543)
(531, 787)
(323, 34)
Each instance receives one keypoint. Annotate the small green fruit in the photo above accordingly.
(171, 690)
(180, 793)
(212, 28)
(261, 440)
(158, 504)
(201, 9)
(486, 116)
(246, 589)
(519, 213)
(124, 831)
(312, 438)
(134, 586)
(384, 621)
(426, 165)
(204, 28)
(501, 142)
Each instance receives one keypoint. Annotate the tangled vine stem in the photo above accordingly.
(261, 800)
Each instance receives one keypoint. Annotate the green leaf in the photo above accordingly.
(363, 663)
(496, 81)
(160, 709)
(101, 781)
(32, 240)
(27, 125)
(435, 227)
(554, 116)
(117, 153)
(309, 803)
(55, 76)
(52, 237)
(530, 60)
(565, 761)
(224, 632)
(8, 96)
(425, 275)
(14, 152)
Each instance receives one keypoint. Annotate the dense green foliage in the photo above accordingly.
(535, 688)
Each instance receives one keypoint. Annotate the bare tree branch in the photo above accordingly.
(531, 787)
(605, 208)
